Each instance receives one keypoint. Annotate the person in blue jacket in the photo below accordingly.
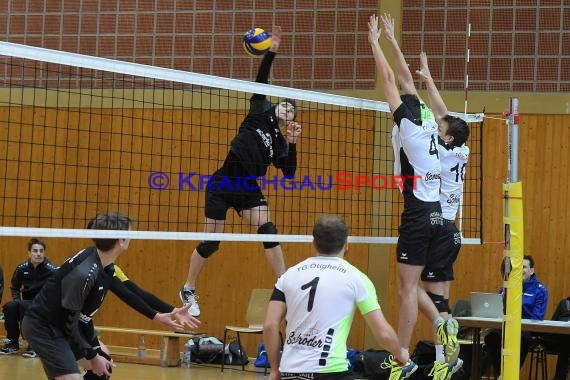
(534, 302)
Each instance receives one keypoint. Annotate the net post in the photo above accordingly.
(514, 252)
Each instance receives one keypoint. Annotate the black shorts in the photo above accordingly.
(237, 192)
(420, 225)
(51, 346)
(443, 253)
(320, 376)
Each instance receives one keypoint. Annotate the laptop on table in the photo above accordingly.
(486, 305)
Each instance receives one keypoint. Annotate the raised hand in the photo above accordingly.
(275, 38)
(388, 23)
(293, 131)
(423, 72)
(373, 31)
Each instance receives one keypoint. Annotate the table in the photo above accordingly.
(478, 323)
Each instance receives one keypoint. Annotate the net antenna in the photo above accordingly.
(467, 59)
(80, 135)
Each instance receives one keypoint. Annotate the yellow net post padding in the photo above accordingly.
(514, 229)
(514, 253)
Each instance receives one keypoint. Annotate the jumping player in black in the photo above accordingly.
(258, 144)
(73, 294)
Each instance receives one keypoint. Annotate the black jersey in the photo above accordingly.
(72, 296)
(139, 299)
(27, 281)
(259, 142)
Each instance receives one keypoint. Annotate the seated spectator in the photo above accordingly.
(28, 278)
(534, 301)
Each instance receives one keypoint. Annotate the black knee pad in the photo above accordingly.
(207, 248)
(439, 302)
(268, 228)
(446, 306)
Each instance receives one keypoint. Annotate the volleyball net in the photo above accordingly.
(80, 135)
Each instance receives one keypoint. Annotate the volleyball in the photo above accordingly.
(256, 42)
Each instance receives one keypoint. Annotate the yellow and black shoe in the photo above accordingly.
(397, 371)
(447, 335)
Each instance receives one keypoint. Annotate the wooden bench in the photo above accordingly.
(169, 350)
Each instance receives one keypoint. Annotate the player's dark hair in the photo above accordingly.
(413, 104)
(36, 241)
(530, 260)
(109, 221)
(293, 103)
(329, 234)
(290, 101)
(457, 128)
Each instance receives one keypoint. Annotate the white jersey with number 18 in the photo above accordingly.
(453, 165)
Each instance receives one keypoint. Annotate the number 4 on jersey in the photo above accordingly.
(433, 147)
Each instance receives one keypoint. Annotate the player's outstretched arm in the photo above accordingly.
(258, 102)
(402, 69)
(436, 103)
(383, 68)
(267, 61)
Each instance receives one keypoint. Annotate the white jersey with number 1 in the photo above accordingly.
(321, 294)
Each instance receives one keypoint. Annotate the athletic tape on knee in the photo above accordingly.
(207, 248)
(269, 229)
(439, 302)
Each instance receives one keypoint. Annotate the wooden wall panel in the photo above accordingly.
(230, 274)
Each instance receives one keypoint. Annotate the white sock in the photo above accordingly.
(437, 322)
(439, 356)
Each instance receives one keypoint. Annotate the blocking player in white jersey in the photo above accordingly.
(442, 251)
(416, 154)
(453, 155)
(318, 297)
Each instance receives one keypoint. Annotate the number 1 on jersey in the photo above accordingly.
(313, 285)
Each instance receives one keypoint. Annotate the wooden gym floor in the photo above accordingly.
(16, 367)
